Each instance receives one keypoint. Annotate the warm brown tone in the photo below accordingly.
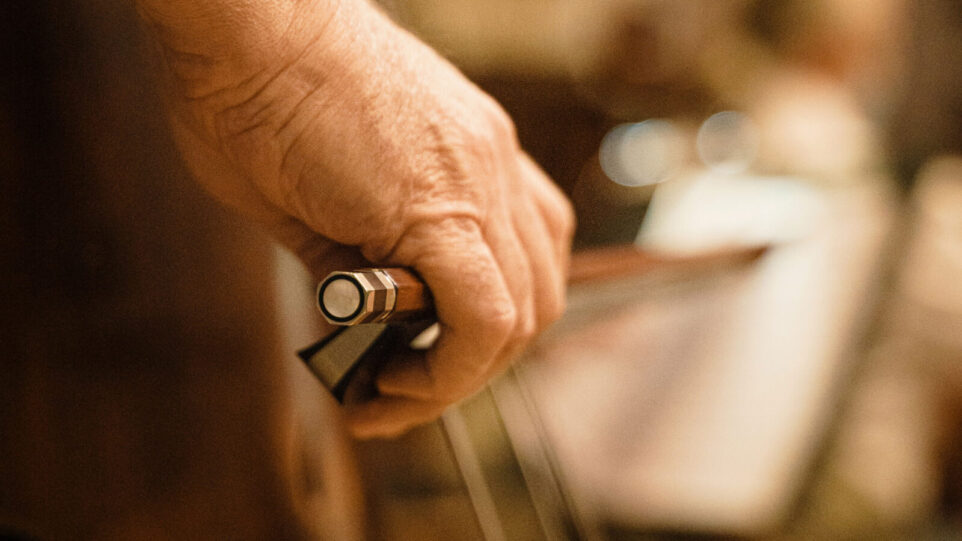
(589, 266)
(141, 393)
(412, 296)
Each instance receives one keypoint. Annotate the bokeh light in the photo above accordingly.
(643, 153)
(727, 142)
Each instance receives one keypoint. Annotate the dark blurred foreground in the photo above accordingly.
(150, 391)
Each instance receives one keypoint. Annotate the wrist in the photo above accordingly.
(211, 49)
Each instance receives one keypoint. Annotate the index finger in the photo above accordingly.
(475, 310)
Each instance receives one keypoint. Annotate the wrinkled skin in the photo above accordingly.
(354, 144)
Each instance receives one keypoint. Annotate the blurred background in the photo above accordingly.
(812, 393)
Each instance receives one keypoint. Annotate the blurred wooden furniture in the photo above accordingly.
(144, 391)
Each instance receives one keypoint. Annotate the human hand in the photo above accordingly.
(355, 144)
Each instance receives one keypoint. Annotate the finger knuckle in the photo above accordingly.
(502, 127)
(501, 320)
(527, 329)
(493, 127)
(500, 130)
(567, 218)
